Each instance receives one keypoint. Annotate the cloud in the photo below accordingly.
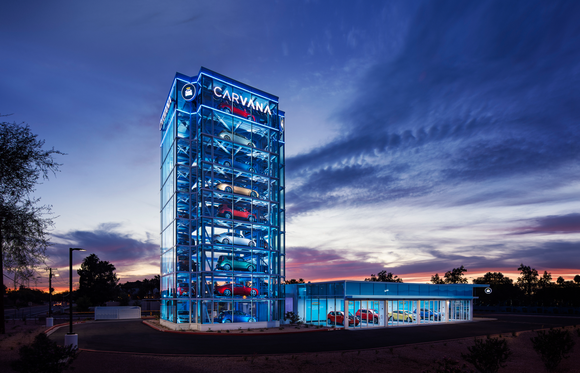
(109, 244)
(480, 91)
(552, 224)
(314, 264)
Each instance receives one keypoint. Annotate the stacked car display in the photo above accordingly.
(222, 200)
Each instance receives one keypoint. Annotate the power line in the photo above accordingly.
(13, 280)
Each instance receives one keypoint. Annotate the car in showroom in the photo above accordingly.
(400, 315)
(182, 316)
(246, 166)
(426, 314)
(233, 238)
(235, 289)
(437, 316)
(229, 188)
(337, 317)
(229, 213)
(233, 316)
(368, 316)
(238, 139)
(227, 263)
(236, 109)
(183, 290)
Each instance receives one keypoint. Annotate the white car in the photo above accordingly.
(236, 138)
(235, 238)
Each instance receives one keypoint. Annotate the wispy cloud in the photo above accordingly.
(553, 224)
(472, 97)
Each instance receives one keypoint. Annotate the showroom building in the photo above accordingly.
(379, 304)
(222, 204)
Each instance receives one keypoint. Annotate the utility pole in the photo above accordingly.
(50, 276)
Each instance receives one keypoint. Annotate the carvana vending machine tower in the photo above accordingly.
(222, 205)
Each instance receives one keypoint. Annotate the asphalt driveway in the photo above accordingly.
(135, 337)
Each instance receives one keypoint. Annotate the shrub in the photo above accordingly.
(447, 365)
(293, 317)
(488, 355)
(553, 346)
(44, 356)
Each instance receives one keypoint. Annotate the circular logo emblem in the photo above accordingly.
(487, 290)
(188, 92)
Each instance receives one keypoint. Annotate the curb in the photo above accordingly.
(54, 328)
(246, 333)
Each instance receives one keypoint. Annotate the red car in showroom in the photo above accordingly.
(368, 315)
(236, 109)
(337, 317)
(236, 289)
(227, 212)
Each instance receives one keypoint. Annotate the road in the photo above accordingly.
(32, 311)
(133, 336)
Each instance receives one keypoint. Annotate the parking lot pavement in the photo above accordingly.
(136, 337)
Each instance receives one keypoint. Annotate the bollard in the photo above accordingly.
(71, 339)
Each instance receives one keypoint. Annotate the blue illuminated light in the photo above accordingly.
(167, 129)
(168, 97)
(245, 120)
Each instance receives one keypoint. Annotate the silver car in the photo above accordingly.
(235, 238)
(236, 138)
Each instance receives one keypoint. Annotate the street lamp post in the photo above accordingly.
(49, 319)
(70, 338)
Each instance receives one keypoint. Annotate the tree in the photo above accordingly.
(560, 280)
(383, 276)
(97, 281)
(23, 223)
(493, 278)
(456, 276)
(293, 281)
(577, 279)
(503, 289)
(435, 279)
(528, 282)
(545, 280)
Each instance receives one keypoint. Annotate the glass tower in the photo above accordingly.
(222, 204)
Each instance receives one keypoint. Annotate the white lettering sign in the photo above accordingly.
(240, 100)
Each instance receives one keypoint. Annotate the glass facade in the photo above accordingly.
(222, 203)
(379, 304)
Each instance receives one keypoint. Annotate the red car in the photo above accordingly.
(227, 212)
(368, 315)
(236, 289)
(183, 290)
(337, 317)
(237, 110)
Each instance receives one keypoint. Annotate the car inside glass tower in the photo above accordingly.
(222, 204)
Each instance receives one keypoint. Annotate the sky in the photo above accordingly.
(420, 135)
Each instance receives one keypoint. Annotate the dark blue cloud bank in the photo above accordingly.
(481, 91)
(110, 244)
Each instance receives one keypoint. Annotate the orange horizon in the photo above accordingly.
(425, 277)
(417, 277)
